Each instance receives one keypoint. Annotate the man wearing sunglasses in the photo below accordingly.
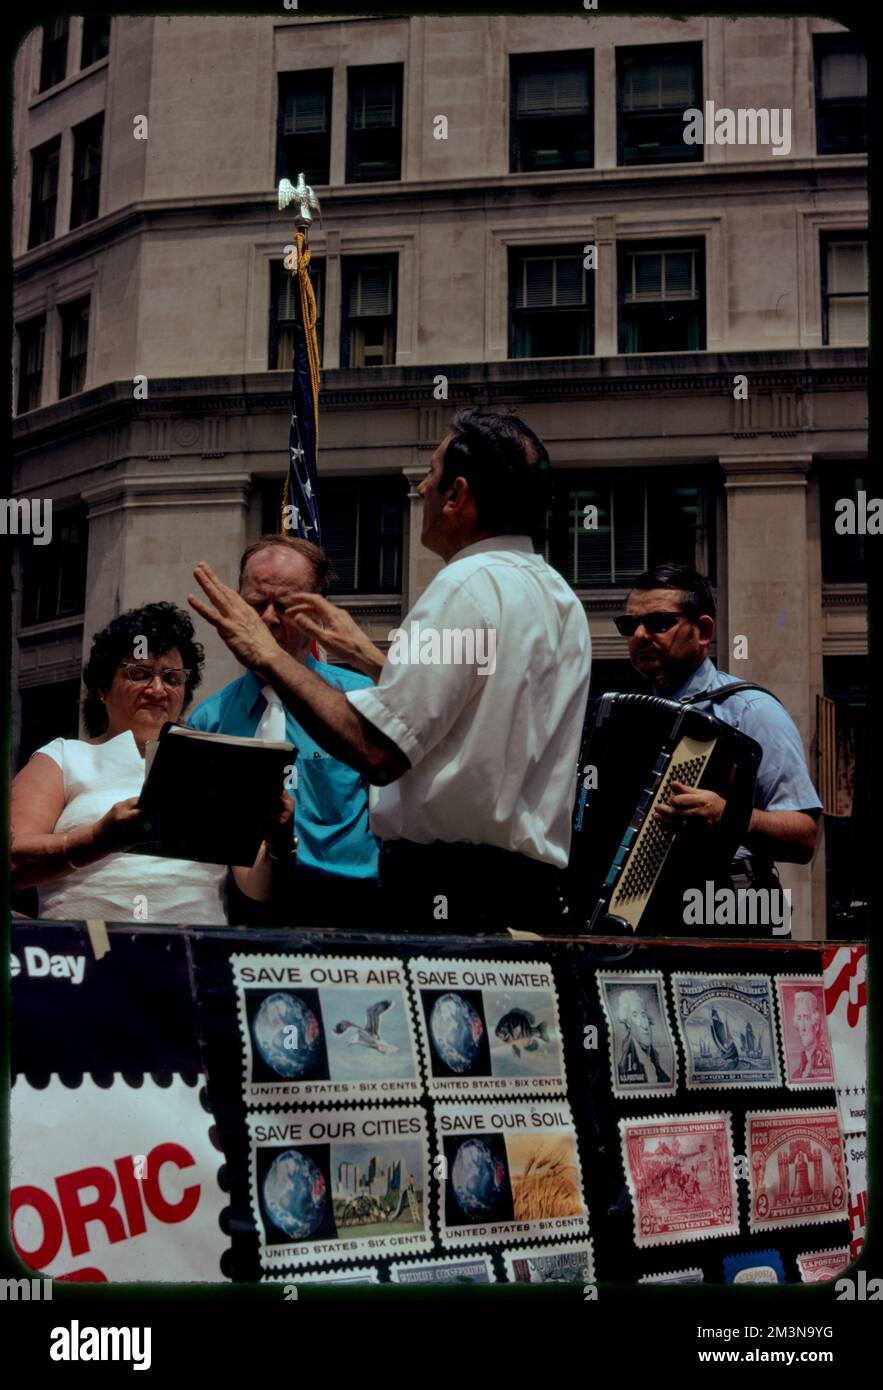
(669, 624)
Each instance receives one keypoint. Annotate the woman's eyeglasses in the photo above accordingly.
(174, 677)
(627, 624)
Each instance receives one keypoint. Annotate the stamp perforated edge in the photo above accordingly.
(452, 1240)
(789, 1223)
(819, 982)
(689, 1075)
(357, 1097)
(824, 1255)
(674, 1276)
(463, 1257)
(487, 1087)
(530, 1252)
(270, 1262)
(369, 1273)
(680, 1237)
(647, 977)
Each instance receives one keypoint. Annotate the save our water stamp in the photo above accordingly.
(728, 1030)
(509, 1171)
(569, 1263)
(324, 1028)
(488, 1028)
(643, 1060)
(680, 1172)
(330, 1186)
(447, 1270)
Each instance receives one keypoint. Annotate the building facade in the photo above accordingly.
(509, 219)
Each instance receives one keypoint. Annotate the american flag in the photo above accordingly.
(300, 507)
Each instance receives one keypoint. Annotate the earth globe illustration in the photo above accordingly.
(287, 1034)
(456, 1032)
(478, 1178)
(295, 1194)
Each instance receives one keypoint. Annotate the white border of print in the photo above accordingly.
(735, 1081)
(443, 1261)
(539, 1252)
(606, 978)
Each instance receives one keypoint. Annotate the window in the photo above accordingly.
(362, 523)
(641, 521)
(661, 297)
(283, 287)
(47, 712)
(551, 111)
(44, 191)
(74, 342)
(53, 59)
(551, 303)
(369, 312)
(304, 133)
(841, 66)
(96, 39)
(656, 86)
(845, 290)
(375, 124)
(87, 171)
(30, 363)
(844, 557)
(54, 579)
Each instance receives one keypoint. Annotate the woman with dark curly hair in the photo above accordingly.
(75, 804)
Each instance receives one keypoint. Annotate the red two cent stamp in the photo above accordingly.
(796, 1168)
(680, 1173)
(804, 1027)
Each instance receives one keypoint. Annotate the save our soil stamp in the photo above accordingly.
(571, 1263)
(681, 1176)
(488, 1028)
(795, 1165)
(804, 1028)
(447, 1270)
(509, 1170)
(643, 1060)
(324, 1028)
(330, 1186)
(727, 1025)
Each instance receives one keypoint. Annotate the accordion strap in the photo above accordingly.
(723, 691)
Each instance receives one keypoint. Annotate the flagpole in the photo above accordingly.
(300, 513)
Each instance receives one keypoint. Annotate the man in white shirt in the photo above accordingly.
(472, 732)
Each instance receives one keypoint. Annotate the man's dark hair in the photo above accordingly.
(163, 626)
(697, 600)
(506, 467)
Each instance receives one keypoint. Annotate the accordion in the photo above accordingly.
(628, 870)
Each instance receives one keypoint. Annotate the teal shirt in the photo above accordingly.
(331, 799)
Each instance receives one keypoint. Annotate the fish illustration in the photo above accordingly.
(518, 1028)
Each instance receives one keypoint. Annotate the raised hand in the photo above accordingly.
(248, 638)
(337, 631)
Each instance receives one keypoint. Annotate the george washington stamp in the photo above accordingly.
(819, 1266)
(728, 1029)
(796, 1174)
(680, 1173)
(643, 1061)
(804, 1027)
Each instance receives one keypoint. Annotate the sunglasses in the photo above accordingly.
(627, 624)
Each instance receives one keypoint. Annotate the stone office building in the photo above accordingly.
(465, 165)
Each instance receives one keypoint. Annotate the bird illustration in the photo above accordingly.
(369, 1035)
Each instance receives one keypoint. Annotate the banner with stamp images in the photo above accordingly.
(643, 1059)
(324, 1028)
(488, 1027)
(511, 1170)
(339, 1185)
(727, 1025)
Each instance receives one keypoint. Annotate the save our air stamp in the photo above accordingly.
(324, 1029)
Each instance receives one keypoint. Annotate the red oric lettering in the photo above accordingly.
(156, 1202)
(53, 1231)
(77, 1215)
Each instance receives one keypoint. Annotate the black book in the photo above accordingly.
(211, 796)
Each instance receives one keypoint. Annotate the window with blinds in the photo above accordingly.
(845, 291)
(374, 124)
(283, 288)
(369, 311)
(31, 337)
(841, 89)
(44, 192)
(74, 346)
(551, 303)
(551, 111)
(53, 59)
(304, 126)
(661, 297)
(655, 86)
(87, 171)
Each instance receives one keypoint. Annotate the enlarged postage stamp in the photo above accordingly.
(643, 1060)
(819, 1266)
(804, 1027)
(339, 1185)
(728, 1029)
(451, 1269)
(674, 1276)
(324, 1028)
(572, 1263)
(796, 1174)
(489, 1027)
(509, 1170)
(680, 1173)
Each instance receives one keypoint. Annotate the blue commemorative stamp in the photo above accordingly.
(727, 1025)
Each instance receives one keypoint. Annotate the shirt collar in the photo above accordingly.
(523, 545)
(701, 679)
(254, 686)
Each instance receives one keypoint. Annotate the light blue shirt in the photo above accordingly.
(331, 799)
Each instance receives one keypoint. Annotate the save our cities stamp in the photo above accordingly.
(510, 1171)
(643, 1060)
(339, 1185)
(488, 1027)
(804, 1027)
(796, 1173)
(680, 1173)
(324, 1028)
(728, 1030)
